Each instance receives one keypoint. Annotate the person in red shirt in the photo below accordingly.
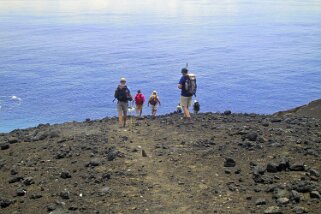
(139, 101)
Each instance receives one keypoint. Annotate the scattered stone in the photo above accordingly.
(229, 162)
(258, 170)
(251, 136)
(227, 171)
(263, 179)
(51, 207)
(28, 181)
(65, 194)
(112, 154)
(104, 191)
(295, 196)
(272, 167)
(315, 194)
(13, 140)
(300, 210)
(283, 200)
(106, 176)
(303, 186)
(36, 196)
(73, 207)
(15, 179)
(280, 193)
(13, 171)
(260, 201)
(227, 112)
(272, 210)
(5, 203)
(314, 173)
(94, 162)
(65, 175)
(297, 167)
(20, 192)
(144, 154)
(4, 146)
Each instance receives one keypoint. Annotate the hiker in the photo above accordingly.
(154, 102)
(139, 101)
(187, 84)
(122, 94)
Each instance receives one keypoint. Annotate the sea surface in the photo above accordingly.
(61, 60)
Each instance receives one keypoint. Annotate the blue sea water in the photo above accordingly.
(64, 58)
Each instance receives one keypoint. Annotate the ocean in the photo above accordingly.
(62, 60)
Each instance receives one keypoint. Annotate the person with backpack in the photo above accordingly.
(139, 101)
(154, 102)
(122, 94)
(187, 85)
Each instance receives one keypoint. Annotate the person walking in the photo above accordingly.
(139, 101)
(188, 89)
(122, 94)
(154, 101)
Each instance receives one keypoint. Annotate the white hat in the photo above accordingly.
(122, 79)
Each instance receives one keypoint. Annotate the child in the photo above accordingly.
(139, 101)
(154, 102)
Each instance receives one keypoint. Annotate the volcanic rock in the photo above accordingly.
(229, 162)
(4, 146)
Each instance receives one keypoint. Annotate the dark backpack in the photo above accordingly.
(190, 84)
(122, 94)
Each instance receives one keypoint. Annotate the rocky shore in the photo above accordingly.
(223, 163)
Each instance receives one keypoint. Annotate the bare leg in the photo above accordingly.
(125, 118)
(120, 119)
(186, 112)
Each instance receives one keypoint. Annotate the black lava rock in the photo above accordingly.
(65, 175)
(94, 162)
(15, 179)
(260, 201)
(36, 196)
(4, 146)
(51, 207)
(272, 167)
(5, 203)
(297, 167)
(112, 154)
(65, 195)
(229, 162)
(315, 194)
(227, 112)
(28, 181)
(252, 136)
(20, 192)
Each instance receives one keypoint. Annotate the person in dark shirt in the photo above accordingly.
(186, 98)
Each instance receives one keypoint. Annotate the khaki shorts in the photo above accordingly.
(139, 107)
(122, 106)
(154, 107)
(186, 101)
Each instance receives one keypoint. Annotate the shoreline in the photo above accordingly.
(303, 111)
